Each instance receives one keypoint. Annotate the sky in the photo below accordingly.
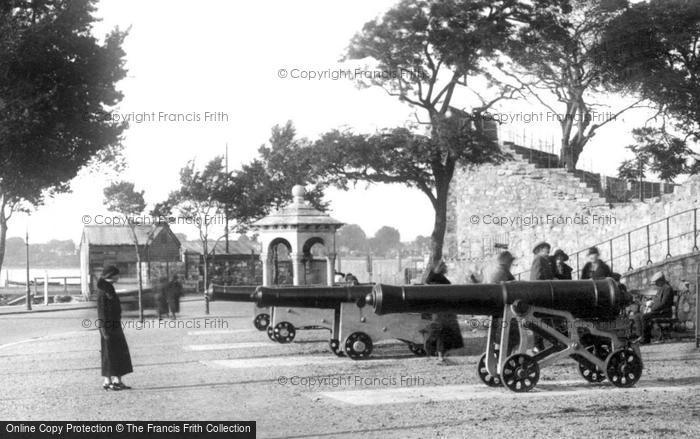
(232, 63)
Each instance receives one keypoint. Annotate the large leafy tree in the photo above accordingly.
(556, 58)
(57, 84)
(197, 199)
(353, 238)
(266, 182)
(660, 153)
(661, 60)
(432, 50)
(387, 239)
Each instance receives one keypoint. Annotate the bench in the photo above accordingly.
(666, 325)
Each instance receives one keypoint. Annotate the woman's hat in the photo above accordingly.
(505, 257)
(659, 275)
(559, 253)
(593, 251)
(109, 271)
(541, 245)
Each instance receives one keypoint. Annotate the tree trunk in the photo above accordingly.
(3, 236)
(205, 252)
(138, 270)
(565, 155)
(437, 237)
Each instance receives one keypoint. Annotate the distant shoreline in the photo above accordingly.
(39, 267)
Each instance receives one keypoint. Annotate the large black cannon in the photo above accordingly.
(354, 328)
(578, 319)
(240, 293)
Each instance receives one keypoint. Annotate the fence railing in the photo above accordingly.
(657, 244)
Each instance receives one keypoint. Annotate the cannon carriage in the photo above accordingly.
(240, 293)
(576, 319)
(354, 328)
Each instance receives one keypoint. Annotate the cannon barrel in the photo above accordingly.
(311, 296)
(598, 299)
(231, 293)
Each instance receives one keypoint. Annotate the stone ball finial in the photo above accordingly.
(299, 191)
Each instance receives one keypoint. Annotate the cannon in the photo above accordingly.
(354, 328)
(240, 293)
(582, 320)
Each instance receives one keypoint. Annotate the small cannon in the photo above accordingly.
(240, 293)
(340, 309)
(578, 319)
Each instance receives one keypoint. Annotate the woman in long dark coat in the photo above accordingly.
(116, 361)
(173, 292)
(444, 329)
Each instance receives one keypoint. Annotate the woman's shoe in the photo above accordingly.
(113, 386)
(106, 386)
(121, 386)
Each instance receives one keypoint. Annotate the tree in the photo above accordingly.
(662, 57)
(556, 56)
(658, 152)
(352, 237)
(385, 240)
(197, 199)
(419, 246)
(266, 182)
(57, 84)
(122, 198)
(431, 51)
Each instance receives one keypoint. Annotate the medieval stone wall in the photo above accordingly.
(523, 204)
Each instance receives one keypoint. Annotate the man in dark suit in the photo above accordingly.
(541, 268)
(444, 329)
(661, 306)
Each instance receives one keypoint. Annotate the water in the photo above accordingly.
(20, 274)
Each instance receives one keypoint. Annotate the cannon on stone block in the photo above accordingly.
(582, 320)
(240, 293)
(354, 327)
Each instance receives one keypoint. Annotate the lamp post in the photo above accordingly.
(28, 292)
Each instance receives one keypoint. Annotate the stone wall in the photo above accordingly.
(677, 269)
(528, 204)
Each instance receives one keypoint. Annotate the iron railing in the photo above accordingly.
(618, 251)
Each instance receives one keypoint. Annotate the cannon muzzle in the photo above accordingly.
(586, 299)
(311, 296)
(231, 293)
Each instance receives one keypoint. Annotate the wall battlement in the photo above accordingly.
(528, 202)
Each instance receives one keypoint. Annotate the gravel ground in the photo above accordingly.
(179, 375)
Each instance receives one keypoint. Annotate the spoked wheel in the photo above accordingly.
(271, 333)
(520, 373)
(261, 322)
(417, 350)
(284, 332)
(335, 347)
(358, 346)
(485, 376)
(624, 368)
(590, 372)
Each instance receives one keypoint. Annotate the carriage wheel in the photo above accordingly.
(590, 372)
(284, 332)
(417, 350)
(485, 376)
(261, 322)
(271, 333)
(520, 373)
(624, 368)
(335, 347)
(358, 346)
